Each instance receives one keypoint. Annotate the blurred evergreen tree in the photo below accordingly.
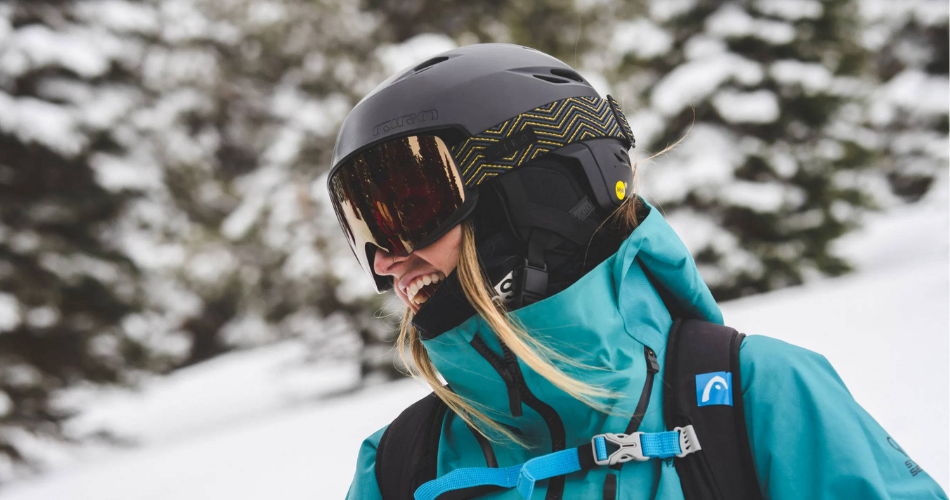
(65, 286)
(247, 99)
(778, 162)
(909, 108)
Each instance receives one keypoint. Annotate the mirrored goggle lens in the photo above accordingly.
(397, 194)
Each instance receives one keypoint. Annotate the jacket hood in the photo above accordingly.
(603, 321)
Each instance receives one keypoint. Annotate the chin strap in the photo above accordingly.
(603, 449)
(533, 276)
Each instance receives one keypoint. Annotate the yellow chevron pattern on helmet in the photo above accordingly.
(543, 129)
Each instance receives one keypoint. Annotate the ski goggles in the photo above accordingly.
(398, 196)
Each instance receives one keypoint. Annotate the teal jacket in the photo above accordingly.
(809, 437)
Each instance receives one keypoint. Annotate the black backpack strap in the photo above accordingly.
(723, 469)
(407, 452)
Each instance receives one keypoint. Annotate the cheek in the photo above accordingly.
(448, 255)
(444, 253)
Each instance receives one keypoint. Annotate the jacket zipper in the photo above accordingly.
(653, 367)
(506, 371)
(518, 392)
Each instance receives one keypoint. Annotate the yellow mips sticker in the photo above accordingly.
(621, 190)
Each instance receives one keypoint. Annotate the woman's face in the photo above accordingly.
(417, 275)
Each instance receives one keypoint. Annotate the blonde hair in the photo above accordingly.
(538, 356)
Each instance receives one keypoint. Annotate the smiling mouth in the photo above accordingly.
(421, 288)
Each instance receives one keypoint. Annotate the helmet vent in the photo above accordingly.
(429, 63)
(551, 79)
(566, 73)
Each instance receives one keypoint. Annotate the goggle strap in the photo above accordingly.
(528, 135)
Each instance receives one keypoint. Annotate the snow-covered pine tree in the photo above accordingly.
(777, 164)
(67, 82)
(248, 99)
(909, 109)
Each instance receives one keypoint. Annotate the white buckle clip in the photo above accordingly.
(688, 440)
(629, 448)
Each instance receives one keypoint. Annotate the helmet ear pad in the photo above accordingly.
(606, 167)
(551, 195)
(580, 183)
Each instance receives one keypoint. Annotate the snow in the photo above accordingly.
(267, 13)
(812, 77)
(255, 186)
(927, 12)
(252, 424)
(917, 233)
(117, 172)
(640, 37)
(793, 10)
(705, 160)
(699, 230)
(119, 15)
(77, 50)
(648, 126)
(598, 82)
(691, 82)
(919, 92)
(33, 120)
(6, 404)
(304, 453)
(760, 106)
(732, 21)
(318, 116)
(9, 312)
(245, 385)
(411, 52)
(670, 9)
(183, 21)
(210, 265)
(702, 46)
(42, 317)
(764, 197)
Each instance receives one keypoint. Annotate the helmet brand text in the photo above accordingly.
(428, 115)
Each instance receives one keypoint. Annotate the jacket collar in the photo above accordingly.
(603, 321)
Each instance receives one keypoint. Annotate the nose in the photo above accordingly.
(385, 262)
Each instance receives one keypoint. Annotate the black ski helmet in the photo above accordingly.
(497, 106)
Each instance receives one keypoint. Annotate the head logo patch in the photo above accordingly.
(714, 389)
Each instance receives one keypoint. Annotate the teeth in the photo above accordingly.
(420, 281)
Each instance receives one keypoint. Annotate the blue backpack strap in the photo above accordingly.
(603, 450)
(704, 389)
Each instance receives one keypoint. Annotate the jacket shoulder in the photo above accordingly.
(810, 438)
(364, 486)
(764, 358)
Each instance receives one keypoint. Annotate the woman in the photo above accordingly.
(490, 187)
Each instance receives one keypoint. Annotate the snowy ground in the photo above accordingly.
(246, 426)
